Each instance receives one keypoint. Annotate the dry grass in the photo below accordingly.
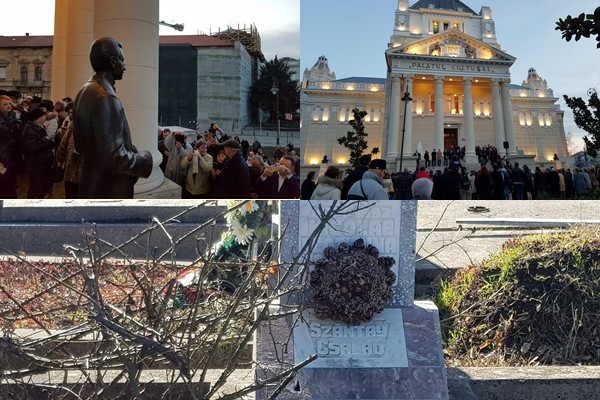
(536, 302)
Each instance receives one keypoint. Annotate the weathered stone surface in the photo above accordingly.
(397, 355)
(413, 368)
(387, 225)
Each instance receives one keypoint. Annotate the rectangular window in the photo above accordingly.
(342, 114)
(2, 73)
(325, 116)
(436, 26)
(316, 114)
(376, 115)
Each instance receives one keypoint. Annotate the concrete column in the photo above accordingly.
(59, 49)
(408, 136)
(508, 120)
(498, 117)
(469, 125)
(135, 24)
(438, 121)
(394, 126)
(80, 35)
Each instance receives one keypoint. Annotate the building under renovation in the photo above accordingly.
(202, 78)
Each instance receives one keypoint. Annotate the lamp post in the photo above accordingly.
(275, 91)
(406, 98)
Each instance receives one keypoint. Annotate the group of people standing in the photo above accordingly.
(217, 166)
(502, 180)
(36, 140)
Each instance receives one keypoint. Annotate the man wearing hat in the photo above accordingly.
(370, 187)
(235, 177)
(111, 164)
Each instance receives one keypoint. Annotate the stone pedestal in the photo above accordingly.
(396, 355)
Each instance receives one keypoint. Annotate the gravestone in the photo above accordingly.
(396, 355)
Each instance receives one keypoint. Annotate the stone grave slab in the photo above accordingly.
(396, 355)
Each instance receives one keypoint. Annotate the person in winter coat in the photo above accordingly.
(198, 164)
(37, 149)
(370, 186)
(329, 186)
(10, 132)
(484, 184)
(178, 149)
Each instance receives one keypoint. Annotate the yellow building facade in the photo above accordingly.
(448, 85)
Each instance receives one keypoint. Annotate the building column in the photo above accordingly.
(470, 156)
(498, 117)
(394, 126)
(508, 119)
(59, 49)
(79, 38)
(438, 121)
(135, 24)
(408, 136)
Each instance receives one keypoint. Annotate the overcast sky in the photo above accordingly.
(277, 21)
(354, 41)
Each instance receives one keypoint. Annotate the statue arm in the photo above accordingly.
(115, 150)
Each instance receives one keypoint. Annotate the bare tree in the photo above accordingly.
(130, 329)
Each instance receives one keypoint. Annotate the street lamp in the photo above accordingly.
(275, 91)
(406, 98)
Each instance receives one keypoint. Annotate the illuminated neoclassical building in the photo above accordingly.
(447, 57)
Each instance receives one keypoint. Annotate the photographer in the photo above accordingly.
(278, 181)
(197, 163)
(177, 148)
(214, 128)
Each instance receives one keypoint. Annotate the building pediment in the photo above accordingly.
(454, 44)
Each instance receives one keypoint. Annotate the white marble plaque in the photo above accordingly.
(379, 343)
(379, 224)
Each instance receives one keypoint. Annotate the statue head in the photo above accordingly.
(106, 55)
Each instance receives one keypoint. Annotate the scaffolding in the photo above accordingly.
(248, 37)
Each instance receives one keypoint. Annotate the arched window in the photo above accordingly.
(24, 73)
(38, 73)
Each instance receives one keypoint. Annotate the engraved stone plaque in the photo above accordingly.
(379, 343)
(387, 225)
(396, 355)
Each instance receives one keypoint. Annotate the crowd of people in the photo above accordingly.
(216, 166)
(497, 180)
(36, 141)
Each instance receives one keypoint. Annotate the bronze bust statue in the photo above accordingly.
(111, 164)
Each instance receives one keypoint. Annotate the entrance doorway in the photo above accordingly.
(450, 138)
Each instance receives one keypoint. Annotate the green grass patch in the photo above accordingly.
(536, 301)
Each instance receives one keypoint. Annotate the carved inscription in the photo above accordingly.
(343, 340)
(451, 67)
(378, 343)
(379, 225)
